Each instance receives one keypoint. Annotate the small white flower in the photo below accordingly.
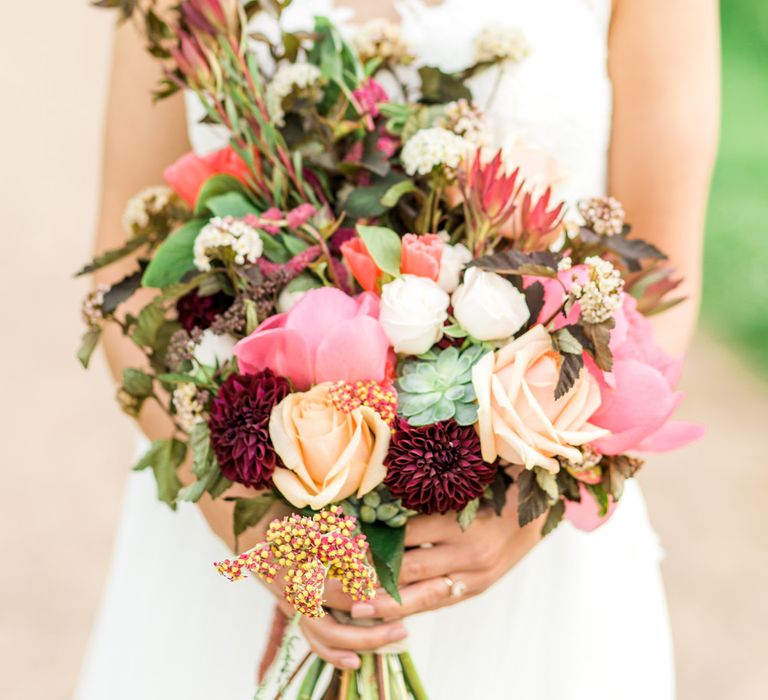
(452, 263)
(489, 307)
(227, 233)
(565, 264)
(291, 78)
(413, 311)
(498, 42)
(430, 148)
(604, 215)
(381, 39)
(601, 294)
(189, 407)
(467, 120)
(288, 299)
(213, 349)
(150, 201)
(92, 309)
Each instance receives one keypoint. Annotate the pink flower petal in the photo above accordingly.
(671, 436)
(281, 350)
(318, 311)
(584, 515)
(356, 349)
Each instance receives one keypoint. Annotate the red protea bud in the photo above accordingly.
(192, 61)
(212, 17)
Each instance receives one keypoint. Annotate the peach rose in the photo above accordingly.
(519, 418)
(328, 454)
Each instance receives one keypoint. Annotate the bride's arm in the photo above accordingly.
(664, 62)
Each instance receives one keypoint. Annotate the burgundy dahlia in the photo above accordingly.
(195, 311)
(239, 423)
(436, 468)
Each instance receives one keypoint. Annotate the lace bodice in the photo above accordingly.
(556, 101)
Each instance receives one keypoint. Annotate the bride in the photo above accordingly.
(622, 94)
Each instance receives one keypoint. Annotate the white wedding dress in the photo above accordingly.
(582, 617)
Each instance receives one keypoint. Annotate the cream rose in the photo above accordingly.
(452, 263)
(519, 418)
(489, 307)
(413, 311)
(328, 454)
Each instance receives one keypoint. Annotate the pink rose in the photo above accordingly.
(188, 174)
(421, 255)
(328, 454)
(326, 336)
(361, 264)
(638, 396)
(519, 418)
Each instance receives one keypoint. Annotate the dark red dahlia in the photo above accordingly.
(195, 311)
(436, 468)
(239, 423)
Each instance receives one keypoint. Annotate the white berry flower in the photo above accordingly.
(299, 79)
(600, 295)
(467, 120)
(604, 215)
(430, 148)
(381, 39)
(189, 407)
(222, 234)
(150, 201)
(498, 42)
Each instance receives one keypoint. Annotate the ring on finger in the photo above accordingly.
(455, 588)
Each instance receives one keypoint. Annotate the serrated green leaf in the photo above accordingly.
(554, 517)
(151, 317)
(601, 497)
(88, 344)
(387, 546)
(532, 499)
(137, 383)
(567, 343)
(249, 512)
(384, 246)
(111, 256)
(467, 514)
(174, 258)
(164, 457)
(548, 482)
(179, 378)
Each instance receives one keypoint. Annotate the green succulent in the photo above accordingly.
(437, 386)
(380, 506)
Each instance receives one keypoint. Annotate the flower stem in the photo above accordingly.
(311, 679)
(397, 680)
(368, 685)
(412, 677)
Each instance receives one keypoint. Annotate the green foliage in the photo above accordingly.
(384, 246)
(438, 87)
(554, 517)
(164, 457)
(368, 201)
(148, 324)
(137, 383)
(230, 204)
(111, 256)
(87, 345)
(204, 467)
(533, 500)
(387, 548)
(215, 187)
(174, 257)
(468, 513)
(438, 386)
(380, 506)
(249, 512)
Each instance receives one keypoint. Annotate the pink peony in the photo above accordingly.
(638, 396)
(326, 336)
(188, 174)
(421, 255)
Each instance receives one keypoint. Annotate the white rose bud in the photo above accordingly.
(489, 307)
(452, 263)
(288, 299)
(214, 349)
(413, 311)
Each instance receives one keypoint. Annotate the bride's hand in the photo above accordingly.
(457, 565)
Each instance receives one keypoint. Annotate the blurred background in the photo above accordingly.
(68, 440)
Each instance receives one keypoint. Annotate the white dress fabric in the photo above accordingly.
(582, 617)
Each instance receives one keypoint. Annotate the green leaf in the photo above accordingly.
(174, 257)
(548, 482)
(515, 262)
(120, 292)
(532, 499)
(151, 317)
(384, 246)
(179, 378)
(468, 513)
(217, 186)
(554, 517)
(274, 250)
(599, 335)
(570, 368)
(568, 486)
(249, 512)
(438, 87)
(601, 497)
(230, 204)
(387, 548)
(137, 383)
(365, 202)
(87, 345)
(113, 255)
(164, 457)
(393, 194)
(566, 343)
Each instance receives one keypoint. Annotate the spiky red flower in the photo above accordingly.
(436, 468)
(538, 222)
(239, 424)
(489, 190)
(195, 311)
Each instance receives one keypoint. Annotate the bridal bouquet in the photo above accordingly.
(363, 311)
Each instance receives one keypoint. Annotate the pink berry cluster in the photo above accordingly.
(309, 550)
(347, 397)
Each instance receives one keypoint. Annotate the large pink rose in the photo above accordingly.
(326, 336)
(519, 418)
(638, 396)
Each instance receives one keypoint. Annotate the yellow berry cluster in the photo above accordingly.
(310, 550)
(347, 396)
